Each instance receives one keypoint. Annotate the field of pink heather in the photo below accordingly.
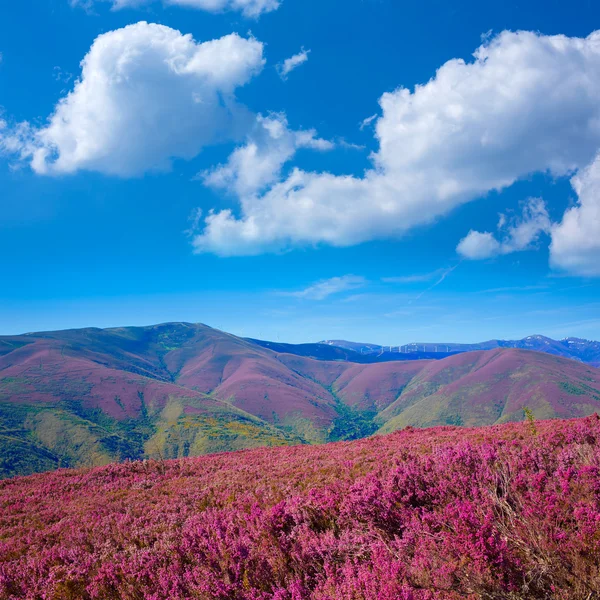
(506, 512)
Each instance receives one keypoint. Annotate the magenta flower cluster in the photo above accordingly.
(504, 512)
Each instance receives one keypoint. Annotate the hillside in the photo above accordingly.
(480, 388)
(92, 396)
(510, 511)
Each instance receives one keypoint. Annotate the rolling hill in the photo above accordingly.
(94, 396)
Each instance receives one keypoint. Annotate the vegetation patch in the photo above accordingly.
(352, 424)
(437, 514)
(570, 388)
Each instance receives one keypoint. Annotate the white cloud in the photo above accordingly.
(525, 231)
(517, 234)
(14, 138)
(575, 243)
(147, 94)
(527, 103)
(288, 65)
(478, 245)
(258, 163)
(328, 287)
(342, 143)
(249, 8)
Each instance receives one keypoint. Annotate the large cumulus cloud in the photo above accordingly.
(147, 94)
(526, 103)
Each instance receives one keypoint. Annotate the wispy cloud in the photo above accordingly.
(566, 309)
(366, 122)
(544, 312)
(398, 313)
(419, 278)
(251, 9)
(328, 287)
(342, 143)
(442, 277)
(573, 327)
(378, 298)
(516, 288)
(289, 64)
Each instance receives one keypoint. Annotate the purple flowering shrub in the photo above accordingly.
(444, 513)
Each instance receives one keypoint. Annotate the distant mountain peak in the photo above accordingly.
(579, 349)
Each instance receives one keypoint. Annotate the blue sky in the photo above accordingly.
(423, 224)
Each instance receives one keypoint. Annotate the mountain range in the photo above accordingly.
(95, 396)
(586, 351)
